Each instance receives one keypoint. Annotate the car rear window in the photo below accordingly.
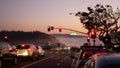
(90, 51)
(23, 47)
(111, 66)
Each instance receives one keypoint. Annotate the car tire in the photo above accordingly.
(1, 64)
(43, 55)
(15, 61)
(33, 58)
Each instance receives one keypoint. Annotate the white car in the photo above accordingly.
(27, 51)
(41, 51)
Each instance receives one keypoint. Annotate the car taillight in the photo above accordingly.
(23, 45)
(84, 55)
(29, 49)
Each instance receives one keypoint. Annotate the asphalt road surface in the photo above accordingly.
(53, 59)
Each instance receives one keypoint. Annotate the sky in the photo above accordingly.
(36, 15)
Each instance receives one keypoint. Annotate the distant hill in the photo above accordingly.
(75, 41)
(67, 35)
(35, 37)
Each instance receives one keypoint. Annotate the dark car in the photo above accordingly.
(7, 53)
(85, 52)
(103, 61)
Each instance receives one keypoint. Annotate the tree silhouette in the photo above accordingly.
(101, 18)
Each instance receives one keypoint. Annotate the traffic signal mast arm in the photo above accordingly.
(60, 29)
(75, 31)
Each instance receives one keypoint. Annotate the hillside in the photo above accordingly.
(35, 37)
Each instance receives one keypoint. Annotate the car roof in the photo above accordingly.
(110, 59)
(115, 58)
(91, 50)
(91, 47)
(25, 46)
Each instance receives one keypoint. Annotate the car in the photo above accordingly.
(41, 51)
(27, 51)
(84, 53)
(108, 60)
(7, 54)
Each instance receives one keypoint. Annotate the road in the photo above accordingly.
(53, 59)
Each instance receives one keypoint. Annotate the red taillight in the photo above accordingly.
(23, 45)
(84, 55)
(29, 49)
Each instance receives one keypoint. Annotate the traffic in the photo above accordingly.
(30, 56)
(32, 51)
(46, 34)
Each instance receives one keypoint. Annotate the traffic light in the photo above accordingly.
(52, 28)
(93, 34)
(48, 28)
(60, 28)
(5, 38)
(88, 39)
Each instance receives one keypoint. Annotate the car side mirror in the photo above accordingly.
(13, 50)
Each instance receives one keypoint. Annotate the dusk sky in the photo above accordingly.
(32, 15)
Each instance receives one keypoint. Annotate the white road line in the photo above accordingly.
(65, 58)
(36, 62)
(61, 61)
(58, 64)
(72, 64)
(51, 52)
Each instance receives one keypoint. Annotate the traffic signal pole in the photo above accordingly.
(92, 34)
(94, 42)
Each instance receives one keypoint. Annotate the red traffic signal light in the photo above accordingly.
(60, 28)
(93, 34)
(88, 39)
(6, 37)
(48, 28)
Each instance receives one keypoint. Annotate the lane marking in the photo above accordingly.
(61, 61)
(72, 63)
(36, 62)
(58, 64)
(65, 58)
(51, 52)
